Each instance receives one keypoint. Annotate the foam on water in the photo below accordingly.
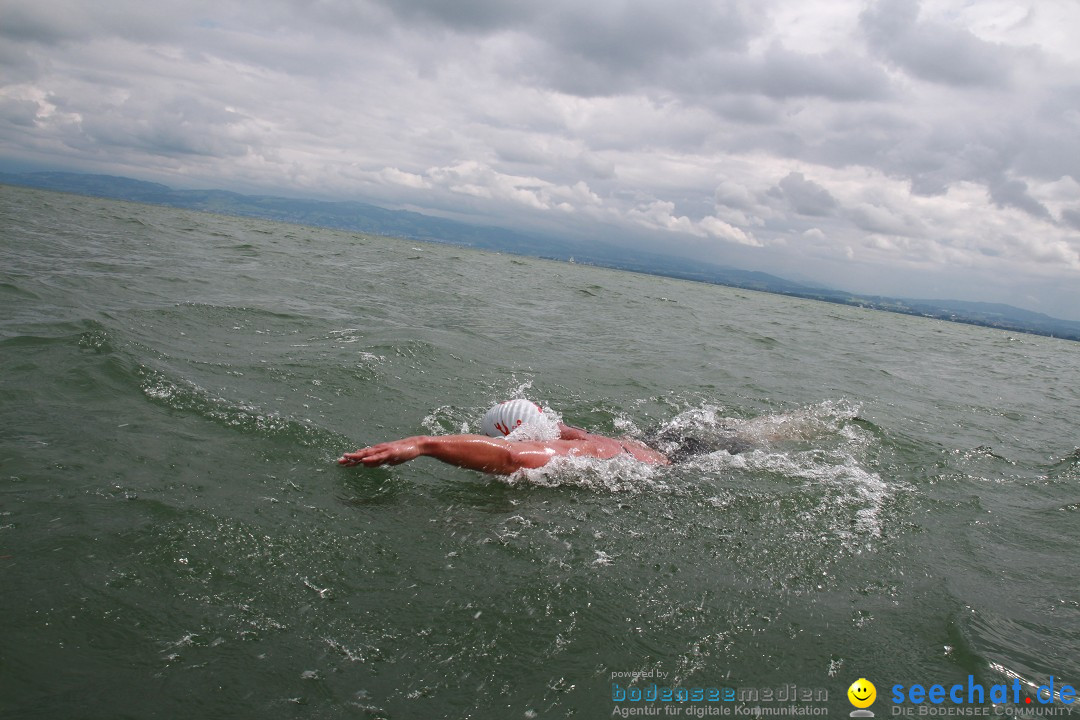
(815, 451)
(709, 425)
(844, 484)
(619, 474)
(817, 445)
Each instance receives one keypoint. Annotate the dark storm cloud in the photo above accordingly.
(641, 36)
(932, 51)
(469, 16)
(806, 197)
(22, 113)
(690, 50)
(38, 23)
(1071, 217)
(1014, 193)
(614, 33)
(834, 75)
(17, 65)
(67, 21)
(612, 46)
(176, 126)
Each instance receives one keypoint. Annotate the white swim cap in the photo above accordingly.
(506, 417)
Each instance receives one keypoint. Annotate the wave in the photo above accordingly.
(85, 334)
(188, 397)
(1067, 468)
(12, 291)
(133, 366)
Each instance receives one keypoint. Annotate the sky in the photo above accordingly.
(912, 148)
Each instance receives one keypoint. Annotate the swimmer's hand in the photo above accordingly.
(387, 453)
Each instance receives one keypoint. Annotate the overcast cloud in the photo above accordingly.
(921, 149)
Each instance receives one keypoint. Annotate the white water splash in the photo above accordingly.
(816, 445)
(619, 474)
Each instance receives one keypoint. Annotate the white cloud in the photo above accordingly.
(721, 230)
(406, 179)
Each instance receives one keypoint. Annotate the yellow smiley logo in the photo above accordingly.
(862, 693)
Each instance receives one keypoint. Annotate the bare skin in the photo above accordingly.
(500, 456)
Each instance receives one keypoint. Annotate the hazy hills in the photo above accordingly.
(362, 217)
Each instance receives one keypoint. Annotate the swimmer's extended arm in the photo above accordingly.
(475, 452)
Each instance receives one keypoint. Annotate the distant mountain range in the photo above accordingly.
(362, 217)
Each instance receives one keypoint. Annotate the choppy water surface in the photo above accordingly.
(878, 496)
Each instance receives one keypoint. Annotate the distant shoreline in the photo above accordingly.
(361, 217)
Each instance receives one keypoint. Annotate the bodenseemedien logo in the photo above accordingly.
(862, 694)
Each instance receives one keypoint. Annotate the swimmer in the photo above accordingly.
(494, 453)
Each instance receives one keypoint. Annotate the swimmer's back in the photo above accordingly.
(596, 446)
(607, 448)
